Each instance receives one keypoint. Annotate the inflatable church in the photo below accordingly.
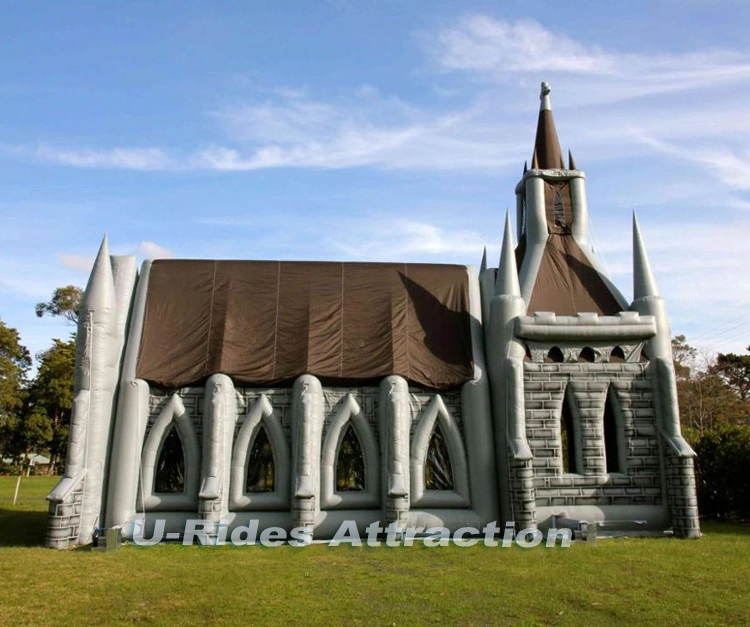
(306, 394)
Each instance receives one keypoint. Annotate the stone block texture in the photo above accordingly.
(587, 386)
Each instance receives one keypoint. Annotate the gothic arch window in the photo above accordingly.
(587, 355)
(350, 463)
(261, 469)
(170, 466)
(260, 473)
(555, 355)
(614, 445)
(570, 441)
(438, 471)
(617, 355)
(350, 460)
(169, 476)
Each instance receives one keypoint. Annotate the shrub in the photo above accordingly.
(723, 472)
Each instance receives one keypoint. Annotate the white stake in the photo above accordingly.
(18, 485)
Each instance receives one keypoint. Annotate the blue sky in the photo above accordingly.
(373, 131)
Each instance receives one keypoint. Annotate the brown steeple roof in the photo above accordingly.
(547, 153)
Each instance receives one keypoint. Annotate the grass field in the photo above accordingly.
(624, 581)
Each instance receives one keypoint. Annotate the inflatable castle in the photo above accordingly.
(305, 394)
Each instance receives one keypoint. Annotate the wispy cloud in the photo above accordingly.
(407, 239)
(494, 49)
(112, 158)
(76, 262)
(152, 250)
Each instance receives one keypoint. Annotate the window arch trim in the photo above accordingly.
(348, 413)
(173, 413)
(261, 414)
(437, 413)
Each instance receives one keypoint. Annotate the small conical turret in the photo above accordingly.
(507, 273)
(100, 291)
(571, 161)
(644, 283)
(483, 265)
(547, 152)
(525, 167)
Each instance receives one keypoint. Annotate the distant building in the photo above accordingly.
(306, 394)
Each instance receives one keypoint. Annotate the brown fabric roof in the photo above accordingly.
(567, 284)
(547, 153)
(267, 322)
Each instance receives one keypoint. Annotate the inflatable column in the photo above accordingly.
(680, 476)
(505, 356)
(76, 503)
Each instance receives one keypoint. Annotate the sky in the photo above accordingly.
(375, 131)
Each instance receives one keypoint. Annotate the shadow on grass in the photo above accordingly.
(721, 527)
(22, 527)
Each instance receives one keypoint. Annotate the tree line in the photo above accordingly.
(35, 412)
(714, 398)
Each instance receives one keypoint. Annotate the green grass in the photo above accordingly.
(625, 581)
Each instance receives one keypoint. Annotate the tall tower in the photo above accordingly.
(583, 387)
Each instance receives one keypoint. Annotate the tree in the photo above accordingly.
(735, 371)
(684, 356)
(706, 400)
(65, 302)
(14, 363)
(52, 394)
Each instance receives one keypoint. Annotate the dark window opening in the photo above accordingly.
(568, 439)
(170, 469)
(350, 464)
(555, 355)
(644, 355)
(611, 435)
(261, 470)
(438, 472)
(617, 355)
(559, 209)
(587, 355)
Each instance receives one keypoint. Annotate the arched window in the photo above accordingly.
(555, 355)
(612, 435)
(568, 439)
(587, 355)
(350, 464)
(169, 477)
(261, 470)
(617, 355)
(438, 472)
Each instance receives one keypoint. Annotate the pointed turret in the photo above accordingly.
(644, 283)
(525, 167)
(100, 291)
(507, 273)
(547, 152)
(483, 265)
(571, 161)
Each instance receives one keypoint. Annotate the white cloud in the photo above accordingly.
(404, 239)
(494, 49)
(76, 262)
(486, 45)
(152, 250)
(115, 158)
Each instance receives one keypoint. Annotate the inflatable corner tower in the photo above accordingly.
(306, 394)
